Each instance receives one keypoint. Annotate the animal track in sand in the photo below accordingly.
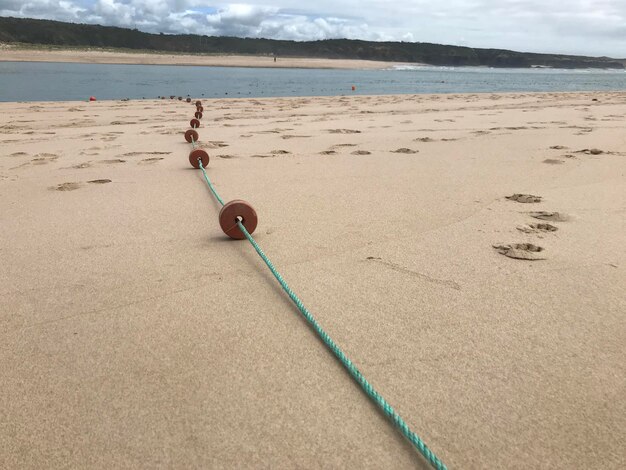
(404, 150)
(525, 251)
(101, 181)
(534, 228)
(361, 152)
(66, 187)
(551, 216)
(343, 131)
(524, 198)
(552, 161)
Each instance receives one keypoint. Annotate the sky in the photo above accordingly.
(583, 27)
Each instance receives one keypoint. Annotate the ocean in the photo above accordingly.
(38, 81)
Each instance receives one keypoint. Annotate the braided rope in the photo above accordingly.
(369, 390)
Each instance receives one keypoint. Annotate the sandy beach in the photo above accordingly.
(466, 252)
(10, 53)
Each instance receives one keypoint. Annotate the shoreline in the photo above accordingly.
(11, 54)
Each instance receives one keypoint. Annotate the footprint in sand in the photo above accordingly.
(66, 187)
(524, 198)
(591, 151)
(404, 150)
(289, 136)
(361, 152)
(80, 166)
(213, 144)
(534, 228)
(134, 154)
(102, 181)
(146, 161)
(551, 216)
(43, 158)
(552, 161)
(525, 251)
(344, 131)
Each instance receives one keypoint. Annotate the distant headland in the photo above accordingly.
(32, 33)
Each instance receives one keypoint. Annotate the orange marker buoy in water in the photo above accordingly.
(92, 98)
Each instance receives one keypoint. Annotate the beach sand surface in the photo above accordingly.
(97, 56)
(134, 334)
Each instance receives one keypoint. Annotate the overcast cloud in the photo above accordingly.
(591, 27)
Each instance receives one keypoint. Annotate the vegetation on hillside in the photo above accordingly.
(45, 32)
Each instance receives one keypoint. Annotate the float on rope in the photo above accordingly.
(198, 156)
(191, 136)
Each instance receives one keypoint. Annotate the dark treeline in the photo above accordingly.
(57, 33)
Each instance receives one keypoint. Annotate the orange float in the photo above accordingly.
(234, 211)
(198, 154)
(191, 136)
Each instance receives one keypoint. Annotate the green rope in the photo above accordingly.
(206, 178)
(339, 354)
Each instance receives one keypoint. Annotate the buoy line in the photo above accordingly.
(238, 220)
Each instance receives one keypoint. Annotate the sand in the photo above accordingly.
(466, 251)
(87, 56)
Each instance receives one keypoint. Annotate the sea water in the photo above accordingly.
(38, 81)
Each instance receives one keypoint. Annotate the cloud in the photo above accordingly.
(594, 27)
